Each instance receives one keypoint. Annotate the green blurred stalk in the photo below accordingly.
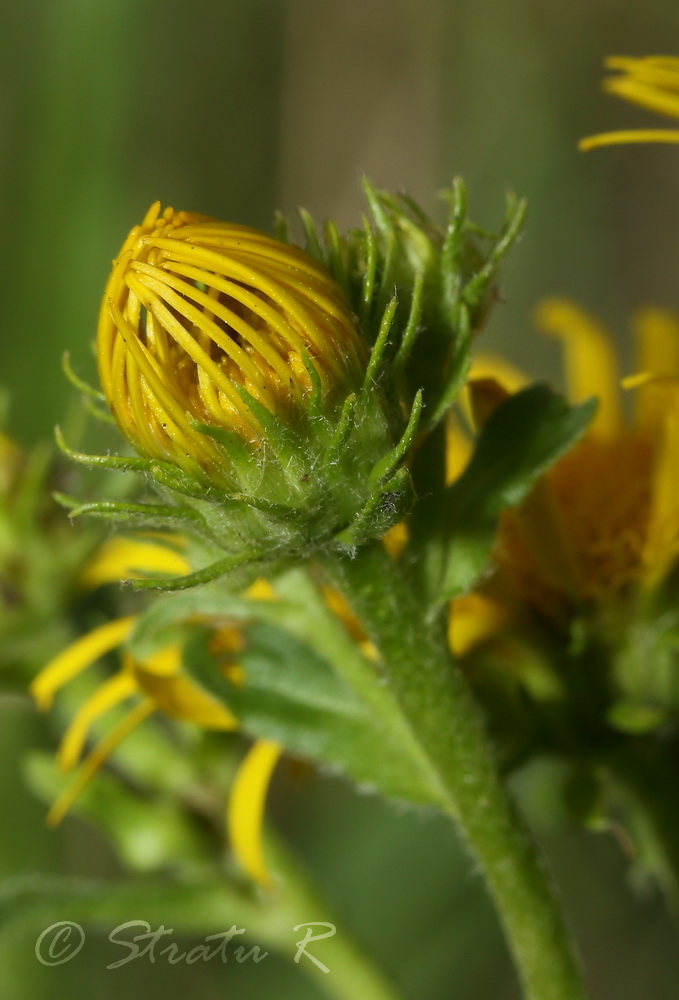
(205, 908)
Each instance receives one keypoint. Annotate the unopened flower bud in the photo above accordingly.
(202, 317)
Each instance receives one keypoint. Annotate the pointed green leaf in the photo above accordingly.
(522, 438)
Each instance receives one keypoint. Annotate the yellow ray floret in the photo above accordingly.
(97, 758)
(129, 559)
(652, 83)
(109, 694)
(197, 311)
(246, 808)
(591, 364)
(662, 538)
(657, 352)
(159, 680)
(160, 676)
(80, 655)
(473, 619)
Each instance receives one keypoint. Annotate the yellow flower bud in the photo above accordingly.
(198, 315)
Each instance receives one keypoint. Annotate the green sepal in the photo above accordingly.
(413, 325)
(216, 570)
(280, 440)
(116, 462)
(343, 428)
(380, 345)
(173, 478)
(369, 275)
(80, 384)
(477, 289)
(98, 412)
(385, 508)
(312, 244)
(143, 515)
(390, 461)
(459, 363)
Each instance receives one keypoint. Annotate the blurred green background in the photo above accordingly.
(235, 108)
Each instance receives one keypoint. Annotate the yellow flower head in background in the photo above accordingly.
(653, 83)
(200, 316)
(606, 517)
(604, 521)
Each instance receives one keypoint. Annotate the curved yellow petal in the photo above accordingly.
(245, 812)
(625, 137)
(652, 83)
(175, 694)
(650, 87)
(473, 619)
(657, 349)
(500, 370)
(129, 559)
(165, 662)
(339, 606)
(261, 590)
(484, 396)
(98, 757)
(79, 655)
(497, 369)
(396, 539)
(662, 537)
(458, 449)
(108, 694)
(591, 364)
(662, 71)
(657, 341)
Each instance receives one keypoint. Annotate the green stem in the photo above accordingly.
(446, 722)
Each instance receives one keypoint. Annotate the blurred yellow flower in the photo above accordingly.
(653, 83)
(200, 316)
(603, 523)
(157, 684)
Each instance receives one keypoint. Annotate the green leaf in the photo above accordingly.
(293, 696)
(522, 438)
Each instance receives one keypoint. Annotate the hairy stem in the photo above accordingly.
(447, 724)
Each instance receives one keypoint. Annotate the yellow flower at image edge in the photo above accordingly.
(605, 519)
(156, 684)
(651, 82)
(200, 314)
